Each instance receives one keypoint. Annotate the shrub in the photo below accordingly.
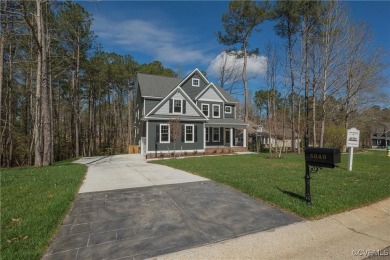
(335, 137)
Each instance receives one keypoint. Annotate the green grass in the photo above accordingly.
(281, 181)
(34, 202)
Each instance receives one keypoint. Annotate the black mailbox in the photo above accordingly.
(322, 157)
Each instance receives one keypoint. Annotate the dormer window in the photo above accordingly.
(177, 106)
(195, 82)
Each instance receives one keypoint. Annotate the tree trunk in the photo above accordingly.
(291, 58)
(244, 80)
(38, 142)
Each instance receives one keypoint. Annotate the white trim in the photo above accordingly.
(185, 133)
(208, 109)
(173, 106)
(231, 137)
(169, 134)
(178, 88)
(227, 124)
(152, 97)
(177, 151)
(211, 100)
(192, 73)
(168, 118)
(230, 109)
(219, 134)
(219, 110)
(147, 136)
(215, 88)
(204, 135)
(193, 82)
(244, 137)
(143, 112)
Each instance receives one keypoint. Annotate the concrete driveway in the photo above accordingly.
(129, 171)
(128, 209)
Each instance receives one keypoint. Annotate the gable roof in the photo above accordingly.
(191, 74)
(156, 86)
(160, 86)
(211, 85)
(189, 101)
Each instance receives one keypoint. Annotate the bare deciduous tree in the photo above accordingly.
(176, 132)
(229, 73)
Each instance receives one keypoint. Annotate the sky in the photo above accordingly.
(181, 34)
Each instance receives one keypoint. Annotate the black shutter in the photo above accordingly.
(182, 133)
(196, 134)
(184, 106)
(157, 133)
(170, 105)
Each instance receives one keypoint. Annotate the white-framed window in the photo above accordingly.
(216, 111)
(378, 142)
(177, 106)
(205, 109)
(195, 82)
(228, 109)
(189, 137)
(165, 133)
(207, 134)
(215, 134)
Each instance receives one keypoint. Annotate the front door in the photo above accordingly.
(227, 137)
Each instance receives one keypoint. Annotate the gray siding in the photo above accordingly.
(164, 108)
(221, 140)
(155, 145)
(229, 115)
(211, 94)
(222, 110)
(191, 91)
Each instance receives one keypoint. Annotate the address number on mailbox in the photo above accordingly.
(322, 157)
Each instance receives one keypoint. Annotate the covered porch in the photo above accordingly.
(223, 135)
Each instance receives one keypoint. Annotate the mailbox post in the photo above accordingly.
(316, 158)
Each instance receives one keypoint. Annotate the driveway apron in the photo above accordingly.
(129, 209)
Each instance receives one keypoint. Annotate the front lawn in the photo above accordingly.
(34, 202)
(281, 181)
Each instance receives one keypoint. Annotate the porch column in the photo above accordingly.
(244, 138)
(204, 136)
(231, 137)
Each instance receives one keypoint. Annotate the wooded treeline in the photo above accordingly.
(326, 61)
(62, 95)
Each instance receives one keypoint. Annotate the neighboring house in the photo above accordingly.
(380, 136)
(206, 112)
(279, 138)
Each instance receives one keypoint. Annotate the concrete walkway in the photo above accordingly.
(129, 171)
(356, 234)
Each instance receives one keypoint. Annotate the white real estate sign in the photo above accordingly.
(352, 141)
(353, 137)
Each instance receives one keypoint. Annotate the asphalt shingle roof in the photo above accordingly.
(156, 86)
(160, 86)
(227, 121)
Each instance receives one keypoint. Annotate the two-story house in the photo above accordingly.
(206, 114)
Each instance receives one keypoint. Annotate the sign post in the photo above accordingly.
(352, 141)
